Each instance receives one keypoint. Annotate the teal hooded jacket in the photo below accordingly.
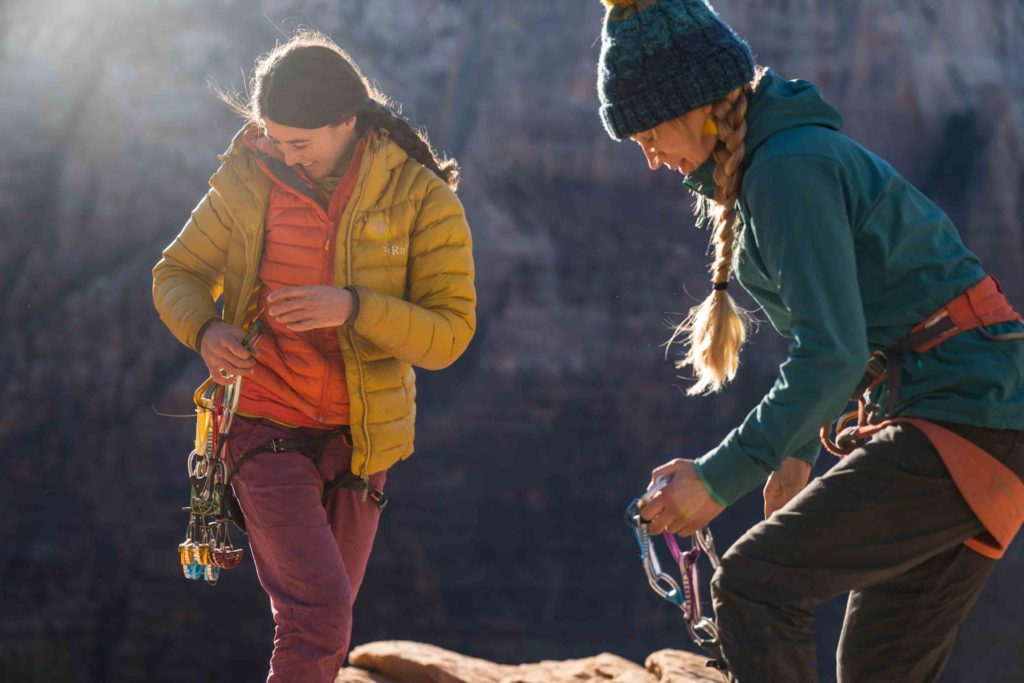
(845, 256)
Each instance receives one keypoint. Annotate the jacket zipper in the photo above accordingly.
(325, 334)
(365, 467)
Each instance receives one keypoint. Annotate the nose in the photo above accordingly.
(290, 158)
(653, 162)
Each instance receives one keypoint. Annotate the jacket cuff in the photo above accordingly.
(809, 453)
(707, 487)
(201, 331)
(729, 473)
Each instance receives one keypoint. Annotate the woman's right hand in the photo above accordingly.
(222, 351)
(683, 505)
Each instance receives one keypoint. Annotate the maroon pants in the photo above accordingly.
(310, 558)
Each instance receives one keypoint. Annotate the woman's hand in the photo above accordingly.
(309, 308)
(784, 483)
(682, 506)
(222, 351)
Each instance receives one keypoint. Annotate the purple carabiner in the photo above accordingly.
(688, 571)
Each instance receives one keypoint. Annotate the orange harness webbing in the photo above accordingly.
(991, 489)
(994, 493)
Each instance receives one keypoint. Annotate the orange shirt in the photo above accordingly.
(299, 378)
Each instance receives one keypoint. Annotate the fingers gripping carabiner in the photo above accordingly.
(207, 546)
(701, 629)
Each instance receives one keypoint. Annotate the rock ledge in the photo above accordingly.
(397, 661)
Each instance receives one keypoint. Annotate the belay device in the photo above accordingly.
(686, 597)
(207, 547)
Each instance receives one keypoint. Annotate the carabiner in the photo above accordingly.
(704, 635)
(662, 584)
(702, 630)
(707, 543)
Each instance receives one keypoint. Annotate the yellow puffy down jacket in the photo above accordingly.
(402, 243)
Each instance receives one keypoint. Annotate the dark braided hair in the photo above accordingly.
(413, 140)
(310, 82)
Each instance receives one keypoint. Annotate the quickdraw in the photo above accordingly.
(702, 629)
(207, 547)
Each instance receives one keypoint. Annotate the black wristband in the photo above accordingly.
(355, 307)
(201, 332)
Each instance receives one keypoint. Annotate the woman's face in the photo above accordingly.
(680, 143)
(318, 151)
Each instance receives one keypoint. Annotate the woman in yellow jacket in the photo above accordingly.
(332, 222)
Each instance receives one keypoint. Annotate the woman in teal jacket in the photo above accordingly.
(845, 257)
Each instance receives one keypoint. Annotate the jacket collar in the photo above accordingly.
(272, 163)
(382, 156)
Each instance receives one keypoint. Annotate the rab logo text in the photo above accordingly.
(395, 250)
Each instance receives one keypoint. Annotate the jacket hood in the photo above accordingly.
(778, 105)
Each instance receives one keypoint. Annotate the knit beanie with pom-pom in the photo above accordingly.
(663, 58)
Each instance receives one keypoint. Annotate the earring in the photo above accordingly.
(709, 127)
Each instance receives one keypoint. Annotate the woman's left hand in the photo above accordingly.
(308, 308)
(784, 483)
(682, 506)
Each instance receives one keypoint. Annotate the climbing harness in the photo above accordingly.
(981, 305)
(702, 629)
(994, 493)
(207, 547)
(313, 447)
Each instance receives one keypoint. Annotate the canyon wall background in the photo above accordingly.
(504, 538)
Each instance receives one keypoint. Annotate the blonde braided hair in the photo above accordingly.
(717, 328)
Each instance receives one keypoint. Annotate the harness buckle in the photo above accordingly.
(377, 497)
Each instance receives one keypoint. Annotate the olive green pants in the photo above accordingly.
(887, 525)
